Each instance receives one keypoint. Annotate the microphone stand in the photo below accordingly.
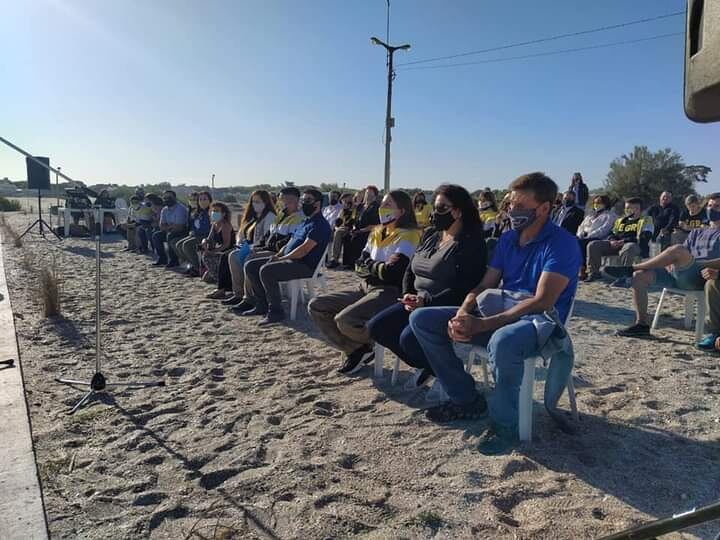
(98, 384)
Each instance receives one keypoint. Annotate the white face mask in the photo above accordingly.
(485, 205)
(258, 207)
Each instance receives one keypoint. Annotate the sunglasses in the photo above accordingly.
(442, 208)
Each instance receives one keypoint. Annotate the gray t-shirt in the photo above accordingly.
(434, 266)
(704, 244)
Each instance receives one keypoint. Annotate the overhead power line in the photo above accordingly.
(546, 39)
(549, 53)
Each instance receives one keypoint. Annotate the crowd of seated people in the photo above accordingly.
(342, 316)
(682, 266)
(350, 238)
(425, 287)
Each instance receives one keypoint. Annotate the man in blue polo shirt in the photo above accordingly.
(537, 258)
(298, 259)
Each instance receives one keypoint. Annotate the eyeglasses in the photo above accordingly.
(442, 208)
(305, 200)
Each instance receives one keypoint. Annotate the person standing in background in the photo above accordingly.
(580, 189)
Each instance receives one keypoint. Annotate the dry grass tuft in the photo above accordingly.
(49, 291)
(14, 236)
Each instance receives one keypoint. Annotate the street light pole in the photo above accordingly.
(389, 120)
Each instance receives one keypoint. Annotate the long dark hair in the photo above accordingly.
(461, 199)
(416, 199)
(198, 208)
(250, 211)
(404, 202)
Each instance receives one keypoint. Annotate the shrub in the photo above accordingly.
(6, 205)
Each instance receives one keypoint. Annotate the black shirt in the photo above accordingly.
(695, 221)
(664, 218)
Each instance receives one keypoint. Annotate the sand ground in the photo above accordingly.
(256, 436)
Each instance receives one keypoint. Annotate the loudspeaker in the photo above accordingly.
(38, 177)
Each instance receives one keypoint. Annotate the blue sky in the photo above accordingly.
(263, 91)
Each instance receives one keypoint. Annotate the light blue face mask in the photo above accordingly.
(215, 216)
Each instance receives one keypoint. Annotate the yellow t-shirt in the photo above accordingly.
(423, 216)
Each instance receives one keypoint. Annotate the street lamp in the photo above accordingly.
(389, 120)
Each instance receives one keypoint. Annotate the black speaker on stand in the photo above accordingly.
(38, 177)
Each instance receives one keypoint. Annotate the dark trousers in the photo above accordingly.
(224, 275)
(583, 249)
(352, 248)
(391, 329)
(158, 242)
(262, 280)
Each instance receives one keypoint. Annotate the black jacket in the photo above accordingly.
(665, 219)
(470, 266)
(572, 219)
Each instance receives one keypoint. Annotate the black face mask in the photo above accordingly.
(333, 202)
(442, 222)
(168, 201)
(308, 209)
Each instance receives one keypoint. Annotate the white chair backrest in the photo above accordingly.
(121, 204)
(321, 264)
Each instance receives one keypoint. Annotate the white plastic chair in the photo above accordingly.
(525, 401)
(691, 297)
(295, 286)
(379, 364)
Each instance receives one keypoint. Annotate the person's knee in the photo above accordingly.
(426, 320)
(317, 305)
(642, 279)
(679, 253)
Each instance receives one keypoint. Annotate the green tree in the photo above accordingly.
(646, 174)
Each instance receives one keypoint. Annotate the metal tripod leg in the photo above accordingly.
(82, 402)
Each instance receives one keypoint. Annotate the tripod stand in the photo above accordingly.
(98, 384)
(40, 221)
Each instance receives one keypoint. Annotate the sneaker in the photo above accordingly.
(159, 263)
(637, 330)
(355, 360)
(172, 264)
(618, 272)
(191, 272)
(274, 316)
(449, 411)
(332, 264)
(623, 283)
(595, 276)
(498, 440)
(707, 343)
(217, 294)
(232, 301)
(242, 307)
(254, 312)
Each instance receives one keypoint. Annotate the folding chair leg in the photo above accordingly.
(525, 402)
(486, 379)
(656, 318)
(293, 292)
(470, 361)
(689, 305)
(396, 371)
(571, 397)
(700, 321)
(379, 361)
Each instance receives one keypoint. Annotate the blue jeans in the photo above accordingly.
(507, 347)
(391, 329)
